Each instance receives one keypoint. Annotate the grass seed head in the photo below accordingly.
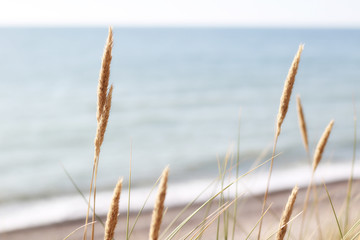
(289, 83)
(302, 123)
(287, 214)
(159, 207)
(112, 216)
(104, 75)
(321, 145)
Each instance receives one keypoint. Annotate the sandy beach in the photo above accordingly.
(249, 209)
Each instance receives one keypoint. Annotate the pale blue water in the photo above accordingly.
(177, 97)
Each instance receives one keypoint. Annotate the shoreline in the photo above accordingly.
(249, 208)
(52, 210)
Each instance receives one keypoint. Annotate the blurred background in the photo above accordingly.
(189, 78)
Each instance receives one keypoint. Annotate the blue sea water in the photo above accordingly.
(178, 95)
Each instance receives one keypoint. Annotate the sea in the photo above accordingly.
(187, 98)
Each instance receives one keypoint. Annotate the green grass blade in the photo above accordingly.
(202, 224)
(128, 206)
(225, 207)
(208, 207)
(77, 230)
(289, 232)
(353, 227)
(273, 234)
(185, 208)
(81, 194)
(237, 175)
(348, 195)
(176, 230)
(355, 236)
(333, 209)
(257, 223)
(143, 206)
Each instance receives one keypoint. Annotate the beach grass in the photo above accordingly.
(225, 201)
(220, 213)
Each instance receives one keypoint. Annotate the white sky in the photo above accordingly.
(266, 13)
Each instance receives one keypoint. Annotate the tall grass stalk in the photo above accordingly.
(284, 104)
(304, 135)
(317, 158)
(102, 116)
(237, 183)
(348, 195)
(334, 212)
(257, 223)
(143, 206)
(159, 206)
(223, 209)
(98, 142)
(287, 214)
(127, 234)
(112, 216)
(222, 196)
(82, 195)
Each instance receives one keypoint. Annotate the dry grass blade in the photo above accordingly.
(104, 75)
(321, 145)
(202, 230)
(351, 178)
(257, 223)
(142, 208)
(287, 214)
(289, 83)
(185, 208)
(197, 230)
(81, 194)
(159, 207)
(352, 229)
(290, 221)
(182, 224)
(302, 123)
(355, 236)
(70, 234)
(127, 235)
(112, 216)
(236, 185)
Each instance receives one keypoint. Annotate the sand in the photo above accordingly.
(248, 215)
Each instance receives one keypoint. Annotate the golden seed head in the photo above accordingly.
(302, 123)
(112, 216)
(288, 86)
(321, 145)
(104, 75)
(287, 214)
(159, 206)
(101, 129)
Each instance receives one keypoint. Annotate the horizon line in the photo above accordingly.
(244, 26)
